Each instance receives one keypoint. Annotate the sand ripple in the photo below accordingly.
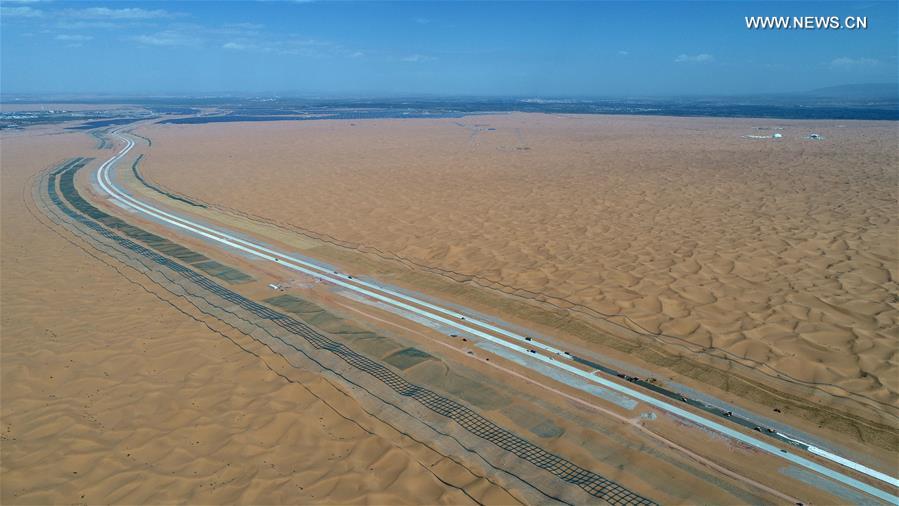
(112, 395)
(781, 252)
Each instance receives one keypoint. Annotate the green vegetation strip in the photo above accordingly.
(100, 135)
(407, 358)
(160, 244)
(473, 423)
(329, 322)
(144, 182)
(224, 272)
(858, 424)
(411, 360)
(149, 141)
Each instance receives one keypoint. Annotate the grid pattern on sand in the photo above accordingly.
(592, 483)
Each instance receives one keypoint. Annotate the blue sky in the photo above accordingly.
(456, 48)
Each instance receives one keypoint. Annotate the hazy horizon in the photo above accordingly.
(311, 95)
(597, 50)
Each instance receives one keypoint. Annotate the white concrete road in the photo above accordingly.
(513, 341)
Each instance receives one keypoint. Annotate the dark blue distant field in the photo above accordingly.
(103, 123)
(452, 108)
(230, 109)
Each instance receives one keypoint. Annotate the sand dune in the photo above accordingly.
(782, 252)
(114, 392)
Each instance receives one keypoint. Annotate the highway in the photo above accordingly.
(512, 341)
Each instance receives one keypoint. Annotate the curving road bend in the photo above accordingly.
(512, 341)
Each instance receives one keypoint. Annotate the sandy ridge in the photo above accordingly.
(755, 278)
(155, 407)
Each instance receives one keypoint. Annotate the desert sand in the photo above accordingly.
(781, 253)
(113, 391)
